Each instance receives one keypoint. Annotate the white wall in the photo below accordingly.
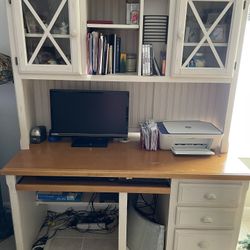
(240, 132)
(4, 35)
(9, 129)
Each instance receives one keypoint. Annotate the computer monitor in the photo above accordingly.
(91, 118)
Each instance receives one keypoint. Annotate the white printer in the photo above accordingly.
(189, 137)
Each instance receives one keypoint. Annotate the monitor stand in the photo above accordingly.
(93, 142)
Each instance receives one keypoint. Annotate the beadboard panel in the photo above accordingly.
(160, 101)
(221, 105)
(140, 101)
(100, 10)
(28, 102)
(117, 13)
(156, 7)
(180, 101)
(41, 97)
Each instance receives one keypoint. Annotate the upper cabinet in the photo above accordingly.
(128, 39)
(206, 37)
(47, 35)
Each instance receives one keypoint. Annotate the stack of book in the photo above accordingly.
(149, 64)
(103, 53)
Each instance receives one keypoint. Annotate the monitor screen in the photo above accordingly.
(89, 113)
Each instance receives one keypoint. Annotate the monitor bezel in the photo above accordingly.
(95, 135)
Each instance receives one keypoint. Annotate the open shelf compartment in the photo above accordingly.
(147, 221)
(34, 214)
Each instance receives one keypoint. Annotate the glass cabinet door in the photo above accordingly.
(205, 41)
(48, 36)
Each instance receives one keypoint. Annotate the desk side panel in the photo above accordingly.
(27, 217)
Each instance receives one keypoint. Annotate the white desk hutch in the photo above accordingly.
(213, 29)
(205, 92)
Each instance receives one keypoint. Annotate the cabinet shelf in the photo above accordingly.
(114, 26)
(126, 77)
(114, 75)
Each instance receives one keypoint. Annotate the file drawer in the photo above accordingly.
(198, 217)
(212, 194)
(207, 239)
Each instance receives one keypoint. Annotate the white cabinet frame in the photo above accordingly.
(181, 69)
(75, 49)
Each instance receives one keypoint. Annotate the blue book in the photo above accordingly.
(58, 196)
(118, 55)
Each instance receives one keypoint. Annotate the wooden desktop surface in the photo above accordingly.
(121, 160)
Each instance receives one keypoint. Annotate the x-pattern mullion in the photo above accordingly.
(207, 33)
(47, 31)
(206, 36)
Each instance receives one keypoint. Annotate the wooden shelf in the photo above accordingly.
(129, 76)
(114, 26)
(112, 77)
(76, 184)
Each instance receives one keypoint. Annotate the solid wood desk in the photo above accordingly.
(126, 160)
(203, 206)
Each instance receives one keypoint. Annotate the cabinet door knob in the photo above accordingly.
(207, 220)
(210, 196)
(203, 244)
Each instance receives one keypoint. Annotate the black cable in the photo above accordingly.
(144, 205)
(70, 218)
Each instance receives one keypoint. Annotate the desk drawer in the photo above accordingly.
(197, 240)
(216, 218)
(214, 194)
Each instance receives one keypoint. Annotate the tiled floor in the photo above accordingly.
(8, 244)
(245, 224)
(72, 240)
(75, 241)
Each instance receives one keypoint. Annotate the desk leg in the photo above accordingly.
(122, 238)
(27, 217)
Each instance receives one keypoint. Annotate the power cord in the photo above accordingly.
(147, 207)
(106, 220)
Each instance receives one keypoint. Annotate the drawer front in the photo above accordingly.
(198, 194)
(216, 218)
(197, 240)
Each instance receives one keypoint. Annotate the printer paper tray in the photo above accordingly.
(191, 151)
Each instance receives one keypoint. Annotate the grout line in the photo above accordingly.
(82, 243)
(68, 237)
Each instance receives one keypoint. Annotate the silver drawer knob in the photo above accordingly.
(207, 220)
(210, 196)
(203, 244)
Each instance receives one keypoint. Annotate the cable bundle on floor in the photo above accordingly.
(105, 221)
